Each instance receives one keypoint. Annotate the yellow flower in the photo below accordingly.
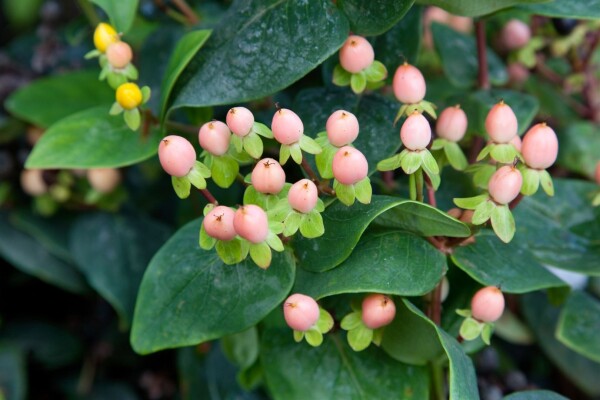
(129, 96)
(105, 35)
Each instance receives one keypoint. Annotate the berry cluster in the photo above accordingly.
(358, 67)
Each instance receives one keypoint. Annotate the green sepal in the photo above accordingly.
(275, 227)
(351, 321)
(146, 93)
(298, 336)
(261, 254)
(344, 193)
(360, 337)
(104, 74)
(376, 72)
(296, 153)
(132, 118)
(455, 156)
(292, 222)
(311, 225)
(131, 72)
(280, 211)
(313, 337)
(486, 333)
(325, 322)
(224, 170)
(531, 181)
(482, 173)
(284, 154)
(324, 160)
(430, 167)
(237, 143)
(253, 145)
(208, 208)
(341, 77)
(470, 203)
(546, 182)
(198, 174)
(262, 130)
(116, 109)
(428, 107)
(503, 223)
(439, 143)
(464, 312)
(182, 186)
(401, 112)
(378, 336)
(470, 329)
(504, 153)
(485, 152)
(92, 54)
(309, 145)
(206, 241)
(264, 201)
(596, 200)
(391, 163)
(114, 79)
(363, 191)
(232, 251)
(412, 161)
(358, 82)
(320, 206)
(483, 212)
(412, 187)
(274, 242)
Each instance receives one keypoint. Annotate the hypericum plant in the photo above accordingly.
(365, 325)
(358, 67)
(307, 319)
(487, 306)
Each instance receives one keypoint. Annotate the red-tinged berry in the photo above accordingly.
(342, 128)
(540, 146)
(597, 173)
(487, 305)
(240, 120)
(32, 182)
(119, 54)
(177, 155)
(378, 310)
(214, 137)
(268, 177)
(517, 72)
(287, 126)
(251, 223)
(356, 54)
(303, 196)
(218, 223)
(515, 34)
(501, 123)
(415, 132)
(505, 184)
(452, 124)
(301, 312)
(349, 166)
(104, 180)
(409, 84)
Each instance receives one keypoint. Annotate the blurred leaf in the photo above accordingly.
(577, 9)
(579, 323)
(121, 12)
(371, 18)
(47, 100)
(241, 348)
(92, 139)
(405, 265)
(553, 103)
(512, 329)
(333, 370)
(113, 251)
(535, 395)
(471, 8)
(21, 13)
(458, 54)
(13, 373)
(189, 296)
(579, 149)
(234, 65)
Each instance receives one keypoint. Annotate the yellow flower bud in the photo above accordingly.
(129, 96)
(105, 35)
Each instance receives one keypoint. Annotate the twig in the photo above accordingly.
(482, 76)
(309, 171)
(187, 11)
(208, 195)
(515, 202)
(430, 192)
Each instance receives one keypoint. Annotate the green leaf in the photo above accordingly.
(547, 184)
(358, 82)
(376, 72)
(363, 191)
(173, 294)
(511, 266)
(312, 225)
(313, 337)
(405, 265)
(341, 77)
(576, 9)
(253, 145)
(483, 212)
(292, 223)
(411, 162)
(92, 139)
(46, 101)
(348, 375)
(344, 193)
(262, 130)
(531, 181)
(185, 49)
(373, 18)
(120, 12)
(205, 241)
(13, 372)
(470, 8)
(113, 251)
(351, 321)
(390, 164)
(578, 325)
(360, 337)
(504, 153)
(132, 118)
(232, 251)
(455, 156)
(458, 55)
(324, 161)
(345, 225)
(236, 51)
(241, 348)
(470, 329)
(535, 395)
(309, 145)
(513, 329)
(579, 147)
(182, 186)
(224, 170)
(295, 152)
(471, 203)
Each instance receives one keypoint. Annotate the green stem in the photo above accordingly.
(437, 381)
(90, 13)
(419, 184)
(412, 187)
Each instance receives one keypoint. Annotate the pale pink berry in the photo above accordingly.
(287, 126)
(540, 146)
(214, 137)
(505, 184)
(342, 128)
(218, 223)
(303, 196)
(461, 24)
(516, 141)
(268, 177)
(104, 180)
(501, 123)
(356, 54)
(240, 120)
(119, 54)
(32, 182)
(415, 132)
(349, 166)
(177, 155)
(487, 305)
(378, 310)
(515, 34)
(409, 84)
(597, 173)
(452, 124)
(517, 72)
(301, 312)
(251, 223)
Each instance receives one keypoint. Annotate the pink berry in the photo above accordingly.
(452, 124)
(461, 24)
(268, 177)
(218, 223)
(32, 182)
(501, 123)
(515, 34)
(356, 54)
(409, 84)
(540, 146)
(104, 180)
(488, 304)
(301, 312)
(342, 128)
(177, 155)
(303, 196)
(415, 132)
(505, 184)
(597, 173)
(349, 166)
(214, 137)
(251, 223)
(119, 54)
(287, 126)
(516, 141)
(240, 120)
(378, 310)
(517, 72)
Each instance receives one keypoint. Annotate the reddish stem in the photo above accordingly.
(430, 192)
(482, 76)
(208, 195)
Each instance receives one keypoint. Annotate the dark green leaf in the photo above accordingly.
(470, 8)
(241, 348)
(188, 295)
(92, 139)
(45, 101)
(238, 51)
(535, 395)
(578, 325)
(401, 43)
(579, 149)
(13, 374)
(120, 12)
(371, 18)
(578, 9)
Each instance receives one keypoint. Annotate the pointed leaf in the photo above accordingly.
(344, 193)
(312, 225)
(455, 156)
(358, 82)
(360, 337)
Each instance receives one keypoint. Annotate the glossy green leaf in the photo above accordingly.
(579, 149)
(241, 348)
(184, 282)
(345, 225)
(249, 31)
(578, 325)
(92, 139)
(120, 12)
(383, 262)
(400, 43)
(13, 372)
(45, 101)
(470, 8)
(371, 18)
(503, 223)
(458, 55)
(334, 370)
(113, 251)
(535, 395)
(578, 9)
